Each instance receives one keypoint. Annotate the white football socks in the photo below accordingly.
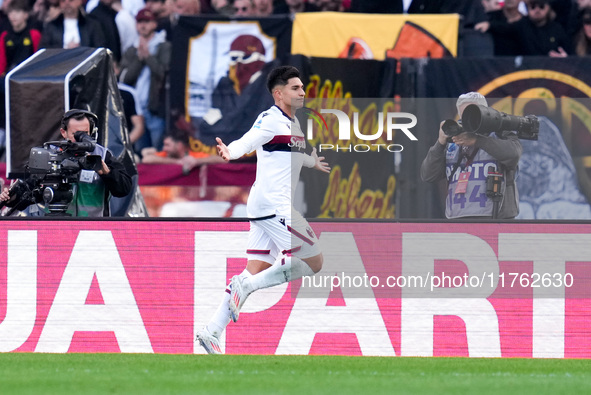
(221, 317)
(287, 269)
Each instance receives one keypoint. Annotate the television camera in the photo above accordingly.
(51, 173)
(484, 120)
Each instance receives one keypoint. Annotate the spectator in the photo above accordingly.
(186, 7)
(510, 11)
(504, 42)
(162, 13)
(575, 22)
(175, 150)
(244, 8)
(263, 7)
(396, 6)
(45, 11)
(159, 8)
(295, 6)
(72, 28)
(145, 67)
(330, 5)
(582, 41)
(472, 11)
(562, 12)
(125, 25)
(105, 15)
(491, 5)
(538, 34)
(376, 6)
(542, 35)
(134, 118)
(19, 41)
(222, 7)
(133, 6)
(181, 8)
(4, 23)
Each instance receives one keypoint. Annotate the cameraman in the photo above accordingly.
(465, 162)
(93, 189)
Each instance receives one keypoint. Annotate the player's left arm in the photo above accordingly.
(316, 162)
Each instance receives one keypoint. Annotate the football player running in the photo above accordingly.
(277, 230)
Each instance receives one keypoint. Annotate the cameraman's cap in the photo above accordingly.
(145, 15)
(471, 98)
(75, 111)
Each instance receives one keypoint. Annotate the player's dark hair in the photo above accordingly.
(280, 76)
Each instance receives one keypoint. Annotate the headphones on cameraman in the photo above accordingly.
(92, 119)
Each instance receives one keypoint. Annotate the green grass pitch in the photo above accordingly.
(29, 373)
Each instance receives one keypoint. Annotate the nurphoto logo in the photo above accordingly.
(365, 139)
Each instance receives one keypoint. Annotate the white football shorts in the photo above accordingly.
(268, 238)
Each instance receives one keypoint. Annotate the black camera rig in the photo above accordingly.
(51, 173)
(484, 120)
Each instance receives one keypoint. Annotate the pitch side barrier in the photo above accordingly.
(478, 289)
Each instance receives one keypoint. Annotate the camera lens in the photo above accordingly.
(451, 128)
(48, 195)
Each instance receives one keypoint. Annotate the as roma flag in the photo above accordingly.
(215, 61)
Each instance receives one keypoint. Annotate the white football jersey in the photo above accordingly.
(280, 146)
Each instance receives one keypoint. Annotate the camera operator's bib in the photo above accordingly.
(466, 190)
(89, 192)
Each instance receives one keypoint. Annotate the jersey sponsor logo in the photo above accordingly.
(286, 143)
(297, 142)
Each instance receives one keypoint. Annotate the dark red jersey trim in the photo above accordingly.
(258, 252)
(293, 250)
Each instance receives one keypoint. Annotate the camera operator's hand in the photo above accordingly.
(442, 136)
(465, 139)
(105, 170)
(5, 195)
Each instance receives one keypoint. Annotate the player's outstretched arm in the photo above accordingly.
(223, 149)
(319, 162)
